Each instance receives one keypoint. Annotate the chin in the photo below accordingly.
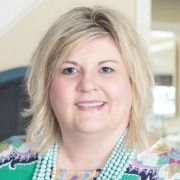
(90, 128)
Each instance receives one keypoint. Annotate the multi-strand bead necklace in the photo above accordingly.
(114, 168)
(46, 165)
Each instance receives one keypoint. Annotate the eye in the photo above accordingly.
(106, 70)
(69, 71)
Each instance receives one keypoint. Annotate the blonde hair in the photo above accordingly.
(71, 30)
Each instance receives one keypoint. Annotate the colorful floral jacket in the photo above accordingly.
(18, 162)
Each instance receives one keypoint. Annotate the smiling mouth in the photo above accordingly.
(90, 105)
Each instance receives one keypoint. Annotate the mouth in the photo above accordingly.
(90, 105)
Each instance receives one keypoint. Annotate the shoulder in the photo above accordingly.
(163, 158)
(16, 157)
(14, 141)
(16, 144)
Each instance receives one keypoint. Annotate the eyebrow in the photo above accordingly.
(107, 61)
(101, 62)
(70, 62)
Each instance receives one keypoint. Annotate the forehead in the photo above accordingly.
(98, 48)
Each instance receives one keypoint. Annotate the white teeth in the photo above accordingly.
(91, 104)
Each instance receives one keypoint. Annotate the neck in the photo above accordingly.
(87, 151)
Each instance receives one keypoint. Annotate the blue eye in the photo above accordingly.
(69, 71)
(106, 70)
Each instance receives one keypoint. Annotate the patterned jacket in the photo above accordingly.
(18, 162)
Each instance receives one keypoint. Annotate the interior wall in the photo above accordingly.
(17, 45)
(166, 10)
(178, 76)
(166, 16)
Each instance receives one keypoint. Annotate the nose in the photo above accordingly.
(87, 84)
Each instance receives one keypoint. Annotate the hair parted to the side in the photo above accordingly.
(72, 29)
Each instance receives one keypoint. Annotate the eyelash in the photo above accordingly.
(108, 69)
(65, 71)
(71, 70)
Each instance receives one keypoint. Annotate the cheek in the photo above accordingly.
(120, 89)
(60, 91)
(121, 100)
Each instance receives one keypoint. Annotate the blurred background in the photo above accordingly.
(24, 22)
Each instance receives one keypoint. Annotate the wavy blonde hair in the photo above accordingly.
(72, 29)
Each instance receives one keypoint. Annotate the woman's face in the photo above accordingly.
(92, 92)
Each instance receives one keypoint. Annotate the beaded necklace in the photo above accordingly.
(114, 168)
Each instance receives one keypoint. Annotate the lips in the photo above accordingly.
(90, 105)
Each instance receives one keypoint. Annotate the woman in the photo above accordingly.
(90, 91)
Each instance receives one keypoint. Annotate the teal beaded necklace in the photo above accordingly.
(114, 168)
(46, 166)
